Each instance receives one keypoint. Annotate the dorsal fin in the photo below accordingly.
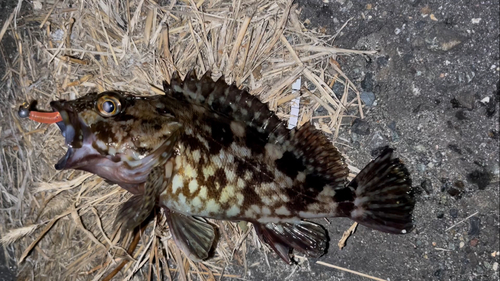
(224, 100)
(318, 151)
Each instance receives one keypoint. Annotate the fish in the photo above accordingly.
(209, 150)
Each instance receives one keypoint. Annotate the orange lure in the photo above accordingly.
(41, 117)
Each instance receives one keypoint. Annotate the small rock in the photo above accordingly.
(446, 184)
(466, 100)
(455, 103)
(378, 141)
(440, 215)
(493, 134)
(360, 127)
(368, 98)
(459, 184)
(476, 20)
(461, 115)
(395, 136)
(382, 61)
(421, 167)
(438, 273)
(495, 266)
(462, 244)
(480, 178)
(454, 213)
(474, 227)
(426, 185)
(392, 125)
(454, 148)
(420, 148)
(474, 242)
(485, 100)
(453, 192)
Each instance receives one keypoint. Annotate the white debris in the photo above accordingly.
(294, 111)
(485, 100)
(476, 20)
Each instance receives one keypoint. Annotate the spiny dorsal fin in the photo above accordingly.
(223, 100)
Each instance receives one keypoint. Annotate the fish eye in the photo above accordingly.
(108, 106)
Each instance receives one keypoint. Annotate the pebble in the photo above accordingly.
(474, 242)
(420, 148)
(474, 227)
(480, 178)
(378, 140)
(495, 266)
(426, 185)
(360, 127)
(368, 98)
(462, 244)
(440, 215)
(454, 213)
(421, 167)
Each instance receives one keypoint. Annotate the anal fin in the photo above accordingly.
(194, 236)
(309, 238)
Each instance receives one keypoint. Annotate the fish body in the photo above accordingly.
(206, 149)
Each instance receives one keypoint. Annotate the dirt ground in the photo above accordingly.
(436, 85)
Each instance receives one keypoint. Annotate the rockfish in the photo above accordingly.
(207, 149)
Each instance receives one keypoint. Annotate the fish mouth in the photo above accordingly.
(72, 129)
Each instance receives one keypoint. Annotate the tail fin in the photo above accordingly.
(383, 195)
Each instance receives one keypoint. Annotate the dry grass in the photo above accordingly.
(59, 224)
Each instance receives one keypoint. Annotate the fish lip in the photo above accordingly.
(67, 128)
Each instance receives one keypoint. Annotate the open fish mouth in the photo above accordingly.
(70, 127)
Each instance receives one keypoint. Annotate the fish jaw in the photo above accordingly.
(77, 136)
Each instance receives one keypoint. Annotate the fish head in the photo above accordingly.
(116, 135)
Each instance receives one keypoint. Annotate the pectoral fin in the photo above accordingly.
(194, 236)
(306, 237)
(137, 209)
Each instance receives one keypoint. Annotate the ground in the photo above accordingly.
(436, 85)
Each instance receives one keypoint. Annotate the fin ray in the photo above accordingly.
(383, 195)
(193, 235)
(306, 237)
(137, 209)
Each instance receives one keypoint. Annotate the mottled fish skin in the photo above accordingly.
(238, 161)
(208, 149)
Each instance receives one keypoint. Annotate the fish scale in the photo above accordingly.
(206, 149)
